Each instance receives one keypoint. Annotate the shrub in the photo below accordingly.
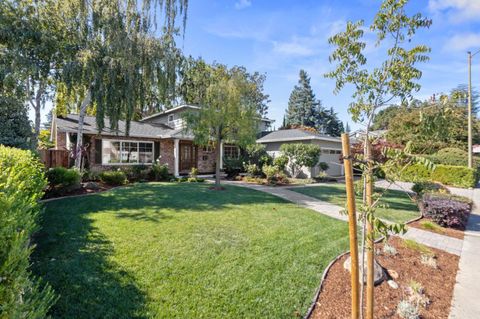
(137, 172)
(113, 178)
(253, 170)
(232, 167)
(160, 172)
(412, 173)
(22, 183)
(408, 310)
(323, 166)
(450, 156)
(459, 176)
(61, 179)
(281, 162)
(323, 177)
(428, 187)
(446, 210)
(194, 172)
(257, 154)
(271, 172)
(300, 155)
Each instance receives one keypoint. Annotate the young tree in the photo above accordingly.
(300, 155)
(377, 86)
(302, 104)
(226, 114)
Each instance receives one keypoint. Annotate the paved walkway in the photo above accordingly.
(449, 244)
(465, 302)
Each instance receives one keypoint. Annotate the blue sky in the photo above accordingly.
(281, 37)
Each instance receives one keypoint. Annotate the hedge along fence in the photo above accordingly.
(459, 176)
(22, 183)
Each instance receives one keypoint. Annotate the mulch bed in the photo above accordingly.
(334, 299)
(450, 232)
(79, 191)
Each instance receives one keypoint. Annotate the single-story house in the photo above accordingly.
(159, 136)
(330, 148)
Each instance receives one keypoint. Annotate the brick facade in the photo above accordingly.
(61, 142)
(206, 160)
(166, 154)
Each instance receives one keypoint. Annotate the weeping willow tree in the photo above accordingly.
(119, 59)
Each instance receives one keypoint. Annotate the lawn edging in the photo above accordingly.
(319, 289)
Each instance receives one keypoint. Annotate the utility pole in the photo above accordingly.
(470, 157)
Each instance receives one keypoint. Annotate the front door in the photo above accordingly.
(188, 156)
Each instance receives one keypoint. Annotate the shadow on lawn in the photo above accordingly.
(75, 257)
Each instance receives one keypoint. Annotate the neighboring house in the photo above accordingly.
(160, 136)
(360, 134)
(330, 147)
(476, 148)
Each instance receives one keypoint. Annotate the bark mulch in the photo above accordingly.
(334, 299)
(79, 191)
(450, 232)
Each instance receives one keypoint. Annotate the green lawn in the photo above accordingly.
(398, 205)
(183, 251)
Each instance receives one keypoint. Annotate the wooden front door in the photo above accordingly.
(188, 156)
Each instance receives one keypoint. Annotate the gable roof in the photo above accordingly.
(291, 135)
(69, 123)
(172, 110)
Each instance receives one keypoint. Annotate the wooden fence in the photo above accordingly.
(54, 158)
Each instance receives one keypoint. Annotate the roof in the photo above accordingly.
(295, 135)
(172, 110)
(69, 123)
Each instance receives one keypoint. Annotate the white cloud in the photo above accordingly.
(242, 4)
(293, 48)
(461, 9)
(463, 42)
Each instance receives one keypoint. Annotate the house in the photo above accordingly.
(160, 136)
(330, 147)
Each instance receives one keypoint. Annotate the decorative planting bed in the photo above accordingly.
(425, 278)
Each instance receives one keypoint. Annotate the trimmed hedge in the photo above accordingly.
(22, 183)
(458, 176)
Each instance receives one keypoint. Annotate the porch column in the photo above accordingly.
(221, 155)
(176, 157)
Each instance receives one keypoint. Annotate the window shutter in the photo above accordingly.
(98, 151)
(156, 150)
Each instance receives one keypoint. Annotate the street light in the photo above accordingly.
(470, 155)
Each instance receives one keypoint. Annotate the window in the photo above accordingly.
(230, 151)
(170, 118)
(126, 152)
(207, 149)
(331, 151)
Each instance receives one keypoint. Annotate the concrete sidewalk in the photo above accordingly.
(465, 304)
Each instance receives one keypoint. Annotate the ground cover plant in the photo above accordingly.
(181, 250)
(397, 205)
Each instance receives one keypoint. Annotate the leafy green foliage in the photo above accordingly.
(160, 172)
(300, 155)
(44, 140)
(281, 161)
(15, 128)
(257, 154)
(459, 176)
(113, 178)
(233, 167)
(61, 179)
(227, 113)
(451, 156)
(428, 187)
(21, 186)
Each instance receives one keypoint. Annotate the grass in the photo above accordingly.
(412, 244)
(429, 225)
(398, 207)
(183, 251)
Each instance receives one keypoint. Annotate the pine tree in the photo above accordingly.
(347, 128)
(302, 104)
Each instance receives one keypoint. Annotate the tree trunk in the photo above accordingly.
(81, 118)
(218, 154)
(37, 107)
(370, 232)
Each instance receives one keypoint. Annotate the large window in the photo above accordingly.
(126, 152)
(231, 151)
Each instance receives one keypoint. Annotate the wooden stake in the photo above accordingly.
(370, 233)
(352, 225)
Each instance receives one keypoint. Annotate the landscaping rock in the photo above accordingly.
(392, 284)
(378, 273)
(393, 273)
(91, 185)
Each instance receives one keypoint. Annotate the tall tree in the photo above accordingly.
(31, 35)
(227, 112)
(196, 76)
(115, 62)
(327, 122)
(375, 86)
(302, 104)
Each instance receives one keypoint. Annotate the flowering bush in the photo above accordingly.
(446, 210)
